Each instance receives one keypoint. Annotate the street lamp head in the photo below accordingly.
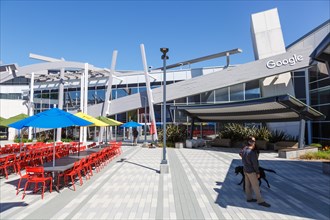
(164, 50)
(164, 57)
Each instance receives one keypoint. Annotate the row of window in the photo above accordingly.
(10, 96)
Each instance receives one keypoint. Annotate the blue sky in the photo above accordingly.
(89, 31)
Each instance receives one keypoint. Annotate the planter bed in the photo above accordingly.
(285, 144)
(291, 153)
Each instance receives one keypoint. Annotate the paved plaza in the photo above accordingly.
(201, 185)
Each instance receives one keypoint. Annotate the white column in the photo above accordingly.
(82, 94)
(85, 99)
(31, 102)
(149, 92)
(60, 101)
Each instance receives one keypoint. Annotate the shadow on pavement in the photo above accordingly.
(299, 189)
(8, 205)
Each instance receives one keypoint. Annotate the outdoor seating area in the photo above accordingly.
(35, 163)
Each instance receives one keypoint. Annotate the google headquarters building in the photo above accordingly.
(286, 87)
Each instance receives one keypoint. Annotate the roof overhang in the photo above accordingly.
(270, 109)
(322, 51)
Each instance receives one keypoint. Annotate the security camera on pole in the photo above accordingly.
(164, 165)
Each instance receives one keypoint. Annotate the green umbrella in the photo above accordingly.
(109, 121)
(1, 121)
(13, 119)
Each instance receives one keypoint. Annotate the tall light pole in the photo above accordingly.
(163, 165)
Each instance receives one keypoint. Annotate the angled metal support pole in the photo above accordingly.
(106, 105)
(149, 94)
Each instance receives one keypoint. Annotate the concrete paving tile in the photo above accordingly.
(130, 190)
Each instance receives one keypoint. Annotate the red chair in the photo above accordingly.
(73, 173)
(8, 162)
(36, 175)
(88, 166)
(25, 176)
(83, 169)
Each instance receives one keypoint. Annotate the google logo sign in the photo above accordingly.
(291, 61)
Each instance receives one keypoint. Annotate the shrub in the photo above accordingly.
(277, 136)
(66, 139)
(262, 134)
(236, 132)
(23, 140)
(315, 145)
(292, 138)
(174, 133)
(320, 155)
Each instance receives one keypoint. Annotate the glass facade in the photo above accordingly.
(17, 81)
(45, 99)
(319, 86)
(298, 79)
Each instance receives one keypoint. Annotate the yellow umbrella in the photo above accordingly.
(95, 121)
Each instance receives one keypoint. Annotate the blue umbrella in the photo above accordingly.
(131, 124)
(52, 118)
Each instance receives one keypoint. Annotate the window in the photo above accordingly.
(181, 101)
(121, 93)
(325, 128)
(252, 90)
(207, 97)
(142, 89)
(195, 99)
(299, 87)
(221, 95)
(325, 109)
(113, 94)
(10, 96)
(237, 92)
(180, 116)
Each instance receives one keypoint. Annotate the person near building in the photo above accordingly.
(251, 172)
(135, 135)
